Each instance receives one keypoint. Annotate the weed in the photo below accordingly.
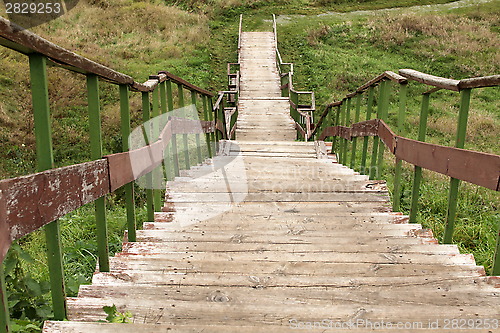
(114, 316)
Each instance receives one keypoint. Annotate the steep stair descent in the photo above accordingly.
(273, 236)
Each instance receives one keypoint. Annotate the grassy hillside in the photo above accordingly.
(333, 53)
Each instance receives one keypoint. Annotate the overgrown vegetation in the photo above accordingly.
(333, 54)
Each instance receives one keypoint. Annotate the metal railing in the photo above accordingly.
(478, 168)
(302, 103)
(38, 200)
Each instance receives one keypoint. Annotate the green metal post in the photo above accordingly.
(396, 200)
(206, 117)
(495, 271)
(417, 178)
(383, 110)
(341, 140)
(150, 208)
(336, 141)
(354, 140)
(364, 152)
(167, 165)
(95, 154)
(463, 117)
(157, 172)
(197, 136)
(213, 117)
(163, 97)
(185, 139)
(4, 310)
(45, 161)
(173, 141)
(129, 188)
(346, 123)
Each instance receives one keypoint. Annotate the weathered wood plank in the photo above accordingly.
(30, 202)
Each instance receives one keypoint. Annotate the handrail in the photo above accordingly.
(410, 74)
(450, 84)
(24, 41)
(30, 202)
(239, 37)
(474, 167)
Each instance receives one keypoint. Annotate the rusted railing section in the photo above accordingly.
(459, 164)
(30, 202)
(302, 103)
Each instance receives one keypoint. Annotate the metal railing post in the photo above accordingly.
(197, 136)
(355, 139)
(150, 207)
(185, 139)
(157, 172)
(495, 270)
(336, 140)
(129, 188)
(173, 140)
(207, 117)
(347, 120)
(167, 164)
(45, 161)
(94, 110)
(396, 198)
(4, 304)
(341, 123)
(364, 152)
(463, 117)
(383, 110)
(417, 178)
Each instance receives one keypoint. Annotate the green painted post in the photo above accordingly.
(214, 135)
(4, 310)
(163, 97)
(45, 161)
(346, 123)
(150, 208)
(369, 108)
(463, 117)
(129, 188)
(495, 271)
(417, 178)
(167, 164)
(197, 136)
(383, 110)
(341, 123)
(157, 172)
(170, 97)
(336, 140)
(95, 154)
(294, 97)
(173, 141)
(185, 139)
(206, 116)
(396, 200)
(354, 140)
(376, 144)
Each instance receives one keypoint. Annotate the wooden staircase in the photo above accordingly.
(273, 235)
